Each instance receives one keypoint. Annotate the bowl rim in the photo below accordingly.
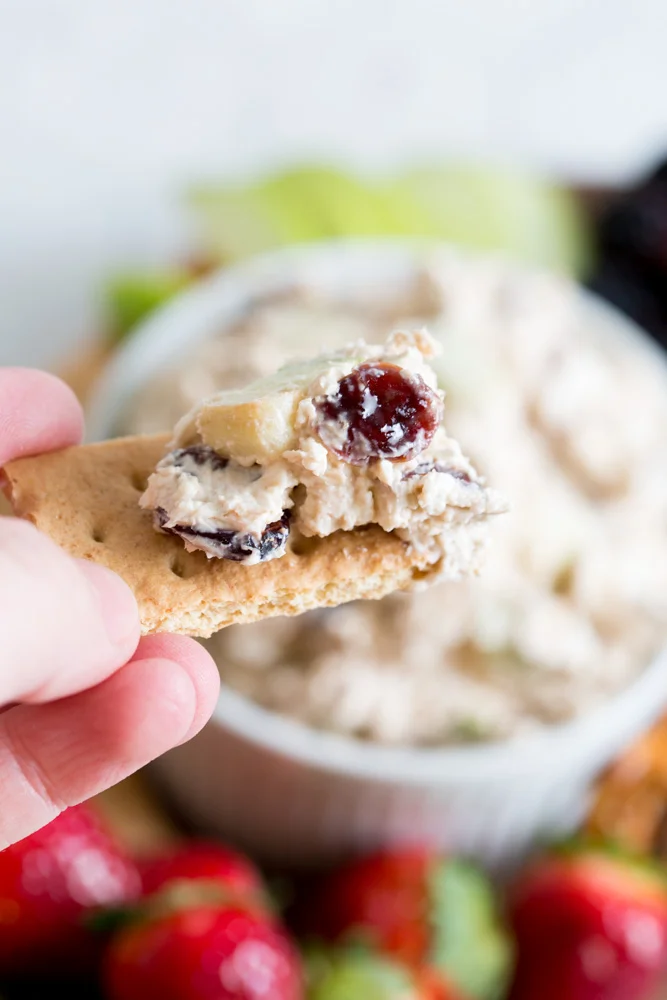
(626, 713)
(202, 311)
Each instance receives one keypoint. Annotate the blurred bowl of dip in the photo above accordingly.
(474, 715)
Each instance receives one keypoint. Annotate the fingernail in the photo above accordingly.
(117, 605)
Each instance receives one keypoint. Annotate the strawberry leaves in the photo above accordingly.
(468, 940)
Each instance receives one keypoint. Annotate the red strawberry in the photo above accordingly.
(428, 912)
(47, 881)
(383, 898)
(205, 951)
(200, 860)
(590, 925)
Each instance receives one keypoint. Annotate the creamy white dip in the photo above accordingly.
(428, 493)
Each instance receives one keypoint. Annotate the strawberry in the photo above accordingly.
(382, 899)
(345, 974)
(429, 913)
(47, 882)
(201, 949)
(200, 860)
(590, 924)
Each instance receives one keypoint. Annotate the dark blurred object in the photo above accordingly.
(631, 269)
(39, 991)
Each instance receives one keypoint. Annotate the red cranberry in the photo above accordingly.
(379, 411)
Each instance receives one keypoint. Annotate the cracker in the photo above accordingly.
(86, 499)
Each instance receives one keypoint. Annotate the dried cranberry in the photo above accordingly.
(234, 545)
(379, 411)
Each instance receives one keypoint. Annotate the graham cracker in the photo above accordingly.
(86, 499)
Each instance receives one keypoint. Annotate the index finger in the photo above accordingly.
(64, 626)
(38, 413)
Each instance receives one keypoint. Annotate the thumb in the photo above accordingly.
(65, 624)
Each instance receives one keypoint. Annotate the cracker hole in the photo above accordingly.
(184, 567)
(139, 481)
(177, 567)
(302, 546)
(98, 535)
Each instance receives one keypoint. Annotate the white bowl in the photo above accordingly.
(292, 794)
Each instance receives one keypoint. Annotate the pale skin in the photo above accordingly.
(83, 700)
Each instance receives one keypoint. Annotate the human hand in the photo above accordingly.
(83, 701)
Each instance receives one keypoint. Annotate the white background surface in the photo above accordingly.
(107, 107)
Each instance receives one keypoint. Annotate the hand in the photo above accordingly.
(84, 701)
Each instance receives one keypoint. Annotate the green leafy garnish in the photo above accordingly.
(356, 974)
(470, 944)
(485, 209)
(493, 209)
(132, 297)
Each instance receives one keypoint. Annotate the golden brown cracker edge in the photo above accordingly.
(86, 499)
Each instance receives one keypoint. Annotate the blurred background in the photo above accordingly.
(109, 112)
